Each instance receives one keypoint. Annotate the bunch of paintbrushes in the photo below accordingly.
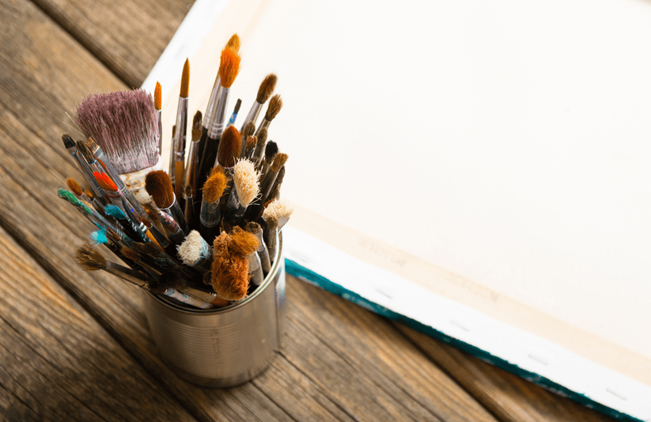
(205, 232)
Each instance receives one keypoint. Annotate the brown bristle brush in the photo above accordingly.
(254, 211)
(261, 140)
(159, 186)
(275, 105)
(210, 214)
(247, 132)
(264, 92)
(76, 189)
(229, 67)
(255, 229)
(229, 148)
(270, 151)
(177, 152)
(192, 206)
(230, 269)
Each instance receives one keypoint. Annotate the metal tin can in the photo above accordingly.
(222, 347)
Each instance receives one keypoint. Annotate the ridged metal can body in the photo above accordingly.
(222, 347)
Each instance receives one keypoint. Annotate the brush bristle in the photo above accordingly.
(279, 161)
(230, 272)
(275, 104)
(185, 79)
(149, 248)
(229, 67)
(115, 212)
(190, 250)
(74, 186)
(270, 152)
(229, 147)
(251, 141)
(88, 156)
(159, 185)
(89, 259)
(245, 179)
(249, 130)
(234, 43)
(92, 146)
(123, 123)
(197, 126)
(253, 227)
(105, 181)
(130, 254)
(262, 137)
(214, 187)
(68, 142)
(243, 243)
(279, 209)
(158, 97)
(90, 194)
(272, 222)
(266, 88)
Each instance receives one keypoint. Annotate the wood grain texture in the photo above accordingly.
(507, 396)
(58, 363)
(126, 36)
(330, 381)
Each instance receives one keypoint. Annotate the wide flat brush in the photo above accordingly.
(275, 105)
(264, 92)
(159, 186)
(177, 156)
(229, 67)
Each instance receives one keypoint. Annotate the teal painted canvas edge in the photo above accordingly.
(309, 276)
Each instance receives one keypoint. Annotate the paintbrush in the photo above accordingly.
(91, 260)
(264, 92)
(230, 267)
(247, 133)
(71, 146)
(210, 215)
(196, 252)
(270, 235)
(228, 69)
(249, 147)
(192, 206)
(275, 191)
(106, 164)
(246, 188)
(177, 154)
(76, 189)
(233, 44)
(124, 124)
(236, 110)
(159, 186)
(280, 210)
(158, 105)
(275, 105)
(242, 239)
(261, 140)
(267, 182)
(270, 151)
(255, 229)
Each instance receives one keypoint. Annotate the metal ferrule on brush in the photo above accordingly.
(178, 143)
(172, 229)
(263, 253)
(217, 125)
(175, 212)
(212, 102)
(255, 269)
(253, 114)
(210, 215)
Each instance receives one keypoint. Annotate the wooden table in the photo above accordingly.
(76, 347)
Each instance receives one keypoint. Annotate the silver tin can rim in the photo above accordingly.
(164, 300)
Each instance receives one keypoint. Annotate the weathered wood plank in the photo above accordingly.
(507, 396)
(57, 363)
(126, 36)
(32, 167)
